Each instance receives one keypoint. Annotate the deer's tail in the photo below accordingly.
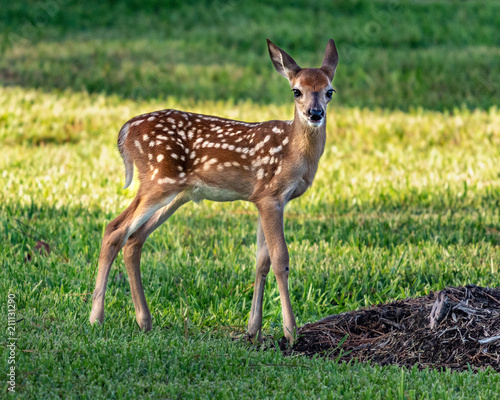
(127, 159)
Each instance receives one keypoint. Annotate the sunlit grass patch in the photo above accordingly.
(403, 203)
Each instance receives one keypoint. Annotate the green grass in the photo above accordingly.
(398, 54)
(404, 202)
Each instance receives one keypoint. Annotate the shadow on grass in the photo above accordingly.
(197, 51)
(68, 230)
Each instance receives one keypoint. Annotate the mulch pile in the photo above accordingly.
(456, 328)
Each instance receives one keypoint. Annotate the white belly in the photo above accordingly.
(203, 192)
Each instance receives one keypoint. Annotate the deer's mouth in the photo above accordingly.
(315, 116)
(315, 120)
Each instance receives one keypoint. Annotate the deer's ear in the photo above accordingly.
(330, 60)
(283, 63)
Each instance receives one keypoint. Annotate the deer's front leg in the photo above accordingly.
(271, 214)
(263, 265)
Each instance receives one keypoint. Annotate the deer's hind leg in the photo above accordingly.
(116, 234)
(132, 256)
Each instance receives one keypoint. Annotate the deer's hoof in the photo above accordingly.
(144, 322)
(96, 315)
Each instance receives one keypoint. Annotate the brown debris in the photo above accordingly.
(439, 310)
(41, 248)
(465, 333)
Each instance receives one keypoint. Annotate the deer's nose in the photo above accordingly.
(315, 113)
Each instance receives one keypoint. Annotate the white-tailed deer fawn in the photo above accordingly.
(181, 156)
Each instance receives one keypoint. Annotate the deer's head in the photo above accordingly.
(311, 87)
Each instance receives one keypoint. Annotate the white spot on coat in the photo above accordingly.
(275, 150)
(166, 180)
(139, 147)
(138, 122)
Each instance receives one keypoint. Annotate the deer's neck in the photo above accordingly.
(309, 141)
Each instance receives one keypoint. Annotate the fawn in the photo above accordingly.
(182, 156)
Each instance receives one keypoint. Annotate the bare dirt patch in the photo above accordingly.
(456, 328)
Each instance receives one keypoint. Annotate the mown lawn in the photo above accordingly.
(405, 201)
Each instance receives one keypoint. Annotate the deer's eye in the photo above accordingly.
(296, 93)
(329, 94)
